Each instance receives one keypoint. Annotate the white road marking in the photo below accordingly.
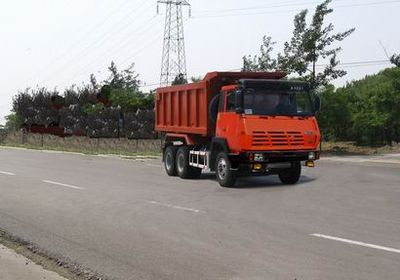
(175, 206)
(388, 249)
(7, 173)
(62, 185)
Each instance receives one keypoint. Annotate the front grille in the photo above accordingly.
(277, 138)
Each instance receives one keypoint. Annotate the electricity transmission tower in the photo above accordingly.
(173, 63)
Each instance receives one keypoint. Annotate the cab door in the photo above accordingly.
(229, 124)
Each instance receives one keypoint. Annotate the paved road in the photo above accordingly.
(128, 220)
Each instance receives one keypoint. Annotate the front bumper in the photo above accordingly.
(273, 163)
(275, 157)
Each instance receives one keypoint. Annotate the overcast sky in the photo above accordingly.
(57, 43)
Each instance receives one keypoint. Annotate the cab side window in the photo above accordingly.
(230, 101)
(221, 103)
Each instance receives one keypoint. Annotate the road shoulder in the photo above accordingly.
(17, 267)
(20, 260)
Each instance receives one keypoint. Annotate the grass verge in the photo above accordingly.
(328, 149)
(87, 151)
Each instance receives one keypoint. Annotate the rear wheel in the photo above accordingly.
(169, 160)
(183, 169)
(226, 177)
(291, 175)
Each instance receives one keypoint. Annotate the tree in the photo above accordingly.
(34, 107)
(179, 80)
(13, 122)
(131, 101)
(126, 79)
(93, 82)
(365, 111)
(264, 62)
(335, 116)
(311, 43)
(130, 78)
(250, 64)
(104, 95)
(395, 59)
(115, 79)
(196, 79)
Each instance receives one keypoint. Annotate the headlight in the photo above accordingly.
(258, 157)
(311, 155)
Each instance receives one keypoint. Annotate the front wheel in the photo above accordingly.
(226, 177)
(291, 175)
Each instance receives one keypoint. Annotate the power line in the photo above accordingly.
(295, 10)
(352, 64)
(144, 47)
(72, 46)
(359, 63)
(150, 85)
(369, 4)
(137, 52)
(281, 4)
(106, 52)
(348, 64)
(102, 39)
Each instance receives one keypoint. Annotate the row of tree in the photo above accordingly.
(114, 108)
(365, 111)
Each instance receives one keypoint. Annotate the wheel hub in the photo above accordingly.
(222, 168)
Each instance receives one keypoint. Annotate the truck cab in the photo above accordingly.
(268, 124)
(268, 115)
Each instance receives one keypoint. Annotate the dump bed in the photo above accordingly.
(185, 108)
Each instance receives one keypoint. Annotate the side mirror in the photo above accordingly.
(317, 104)
(239, 102)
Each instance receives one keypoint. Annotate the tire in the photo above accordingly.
(226, 177)
(291, 175)
(169, 160)
(183, 169)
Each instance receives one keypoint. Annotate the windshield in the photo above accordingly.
(277, 102)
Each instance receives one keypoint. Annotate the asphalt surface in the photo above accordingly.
(128, 220)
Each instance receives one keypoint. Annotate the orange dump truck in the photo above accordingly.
(238, 124)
